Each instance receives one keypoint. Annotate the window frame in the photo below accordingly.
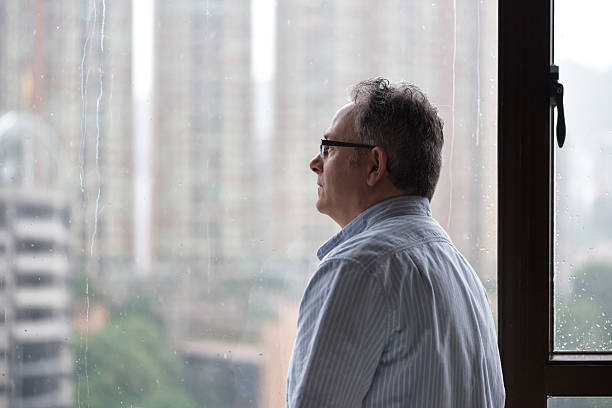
(532, 370)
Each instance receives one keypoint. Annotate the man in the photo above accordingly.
(394, 316)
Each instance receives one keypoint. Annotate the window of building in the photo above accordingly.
(34, 280)
(36, 211)
(30, 352)
(38, 386)
(173, 140)
(34, 313)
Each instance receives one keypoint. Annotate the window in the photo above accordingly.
(34, 211)
(34, 314)
(34, 280)
(533, 369)
(36, 386)
(39, 351)
(156, 153)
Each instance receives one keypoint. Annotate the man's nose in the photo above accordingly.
(316, 164)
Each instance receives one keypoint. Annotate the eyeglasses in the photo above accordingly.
(327, 142)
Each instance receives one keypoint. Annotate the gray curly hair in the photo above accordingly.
(400, 119)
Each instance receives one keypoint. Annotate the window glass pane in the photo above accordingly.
(579, 402)
(157, 211)
(583, 188)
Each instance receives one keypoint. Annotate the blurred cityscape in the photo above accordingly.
(157, 220)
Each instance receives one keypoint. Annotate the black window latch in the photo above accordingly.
(555, 92)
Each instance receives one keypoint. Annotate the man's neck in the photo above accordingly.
(367, 202)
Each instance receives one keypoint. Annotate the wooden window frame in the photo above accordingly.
(532, 370)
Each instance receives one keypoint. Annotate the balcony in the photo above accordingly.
(45, 263)
(47, 230)
(37, 331)
(54, 297)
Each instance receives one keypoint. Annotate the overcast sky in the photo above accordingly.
(583, 32)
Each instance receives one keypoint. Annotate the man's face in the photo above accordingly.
(340, 182)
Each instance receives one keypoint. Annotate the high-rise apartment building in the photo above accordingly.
(35, 245)
(202, 159)
(202, 130)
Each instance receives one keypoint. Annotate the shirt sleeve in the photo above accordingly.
(342, 330)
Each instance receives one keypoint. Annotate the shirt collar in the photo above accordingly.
(392, 207)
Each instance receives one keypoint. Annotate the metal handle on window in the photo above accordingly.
(555, 90)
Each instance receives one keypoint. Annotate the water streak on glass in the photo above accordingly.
(87, 46)
(208, 240)
(98, 101)
(478, 108)
(90, 24)
(99, 182)
(452, 137)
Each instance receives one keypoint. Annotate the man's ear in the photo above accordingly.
(377, 165)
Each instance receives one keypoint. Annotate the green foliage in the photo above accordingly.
(129, 364)
(81, 287)
(583, 320)
(594, 282)
(168, 397)
(580, 402)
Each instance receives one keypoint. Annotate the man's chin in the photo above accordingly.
(321, 207)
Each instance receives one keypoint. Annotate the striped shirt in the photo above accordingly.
(394, 316)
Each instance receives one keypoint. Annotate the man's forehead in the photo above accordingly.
(345, 112)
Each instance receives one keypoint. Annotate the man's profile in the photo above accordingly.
(394, 315)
